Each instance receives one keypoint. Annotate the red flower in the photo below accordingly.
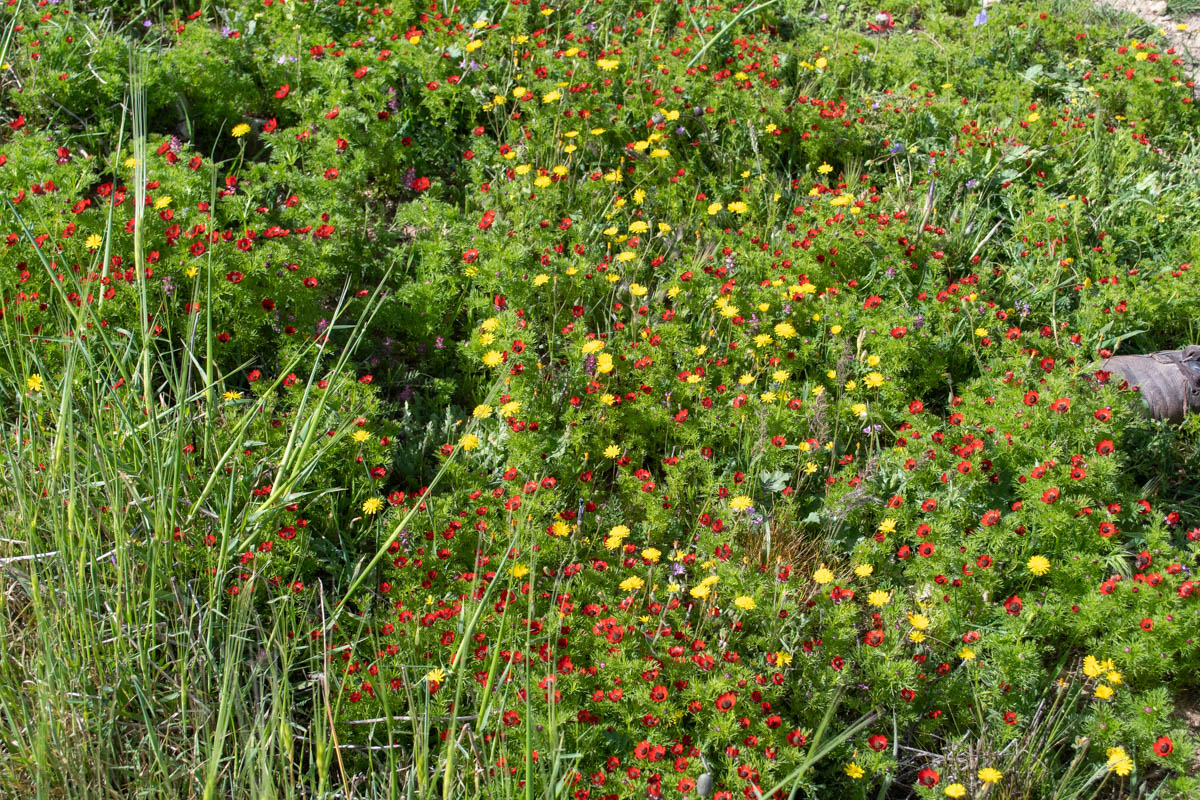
(1050, 495)
(1105, 447)
(1031, 398)
(1107, 529)
(725, 701)
(421, 184)
(1163, 746)
(926, 549)
(282, 91)
(658, 694)
(360, 72)
(877, 742)
(1147, 624)
(928, 777)
(990, 518)
(1013, 605)
(874, 638)
(916, 407)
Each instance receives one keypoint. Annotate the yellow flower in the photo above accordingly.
(1119, 761)
(744, 603)
(162, 203)
(437, 675)
(34, 383)
(482, 411)
(492, 358)
(550, 97)
(240, 130)
(835, 330)
(232, 395)
(990, 775)
(469, 441)
(887, 526)
(1114, 678)
(916, 637)
(510, 409)
(714, 208)
(956, 790)
(1038, 565)
(918, 621)
(604, 363)
(612, 451)
(372, 505)
(879, 598)
(738, 207)
(966, 654)
(823, 575)
(519, 571)
(699, 592)
(864, 570)
(94, 241)
(652, 554)
(607, 64)
(858, 409)
(1104, 692)
(873, 360)
(560, 529)
(783, 658)
(854, 770)
(1091, 667)
(632, 584)
(659, 152)
(821, 63)
(740, 503)
(360, 436)
(637, 290)
(824, 169)
(874, 380)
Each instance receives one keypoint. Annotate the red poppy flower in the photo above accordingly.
(1050, 495)
(658, 694)
(1107, 529)
(1163, 746)
(926, 549)
(420, 184)
(1031, 398)
(877, 742)
(725, 701)
(916, 407)
(874, 638)
(1103, 414)
(1105, 447)
(928, 777)
(282, 91)
(1147, 624)
(990, 518)
(1013, 605)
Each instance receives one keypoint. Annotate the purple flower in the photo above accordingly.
(981, 18)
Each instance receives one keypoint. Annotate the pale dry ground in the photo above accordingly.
(1186, 42)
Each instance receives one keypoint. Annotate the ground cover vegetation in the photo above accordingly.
(596, 400)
